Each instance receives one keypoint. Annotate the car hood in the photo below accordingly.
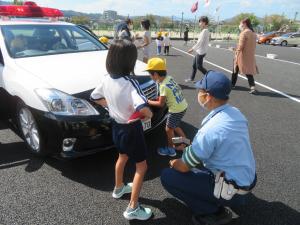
(71, 73)
(276, 38)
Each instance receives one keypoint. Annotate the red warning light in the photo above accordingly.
(29, 9)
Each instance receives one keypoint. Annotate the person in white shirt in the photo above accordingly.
(167, 44)
(200, 48)
(159, 43)
(121, 94)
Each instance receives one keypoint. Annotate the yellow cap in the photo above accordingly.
(156, 64)
(103, 39)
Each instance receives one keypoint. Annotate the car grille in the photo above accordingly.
(151, 91)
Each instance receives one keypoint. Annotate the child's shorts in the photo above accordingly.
(129, 139)
(174, 119)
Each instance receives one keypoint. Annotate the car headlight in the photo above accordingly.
(61, 103)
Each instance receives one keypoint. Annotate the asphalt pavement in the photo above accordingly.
(53, 191)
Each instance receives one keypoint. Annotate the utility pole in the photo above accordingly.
(181, 24)
(295, 18)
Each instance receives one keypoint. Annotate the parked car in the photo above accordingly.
(267, 37)
(287, 39)
(48, 70)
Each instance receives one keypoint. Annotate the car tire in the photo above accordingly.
(29, 130)
(284, 43)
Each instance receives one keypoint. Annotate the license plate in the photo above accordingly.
(146, 124)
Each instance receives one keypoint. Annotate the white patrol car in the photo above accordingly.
(48, 70)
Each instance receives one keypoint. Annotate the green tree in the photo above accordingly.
(275, 21)
(80, 20)
(17, 2)
(254, 20)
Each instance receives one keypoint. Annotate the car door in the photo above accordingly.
(295, 39)
(3, 102)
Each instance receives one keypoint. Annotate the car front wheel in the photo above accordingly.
(284, 43)
(29, 130)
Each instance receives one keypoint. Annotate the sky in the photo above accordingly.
(228, 8)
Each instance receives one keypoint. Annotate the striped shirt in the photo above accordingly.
(123, 95)
(190, 158)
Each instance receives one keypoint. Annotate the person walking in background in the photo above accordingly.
(159, 43)
(123, 97)
(167, 44)
(200, 48)
(186, 36)
(145, 24)
(123, 31)
(245, 62)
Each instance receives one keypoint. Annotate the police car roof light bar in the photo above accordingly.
(29, 9)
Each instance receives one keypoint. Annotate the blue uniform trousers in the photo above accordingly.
(196, 189)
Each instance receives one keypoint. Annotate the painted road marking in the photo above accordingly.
(243, 77)
(280, 60)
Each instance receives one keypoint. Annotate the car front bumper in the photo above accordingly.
(91, 133)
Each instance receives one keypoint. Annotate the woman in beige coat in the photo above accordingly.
(245, 55)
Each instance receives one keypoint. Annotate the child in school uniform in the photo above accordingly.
(171, 95)
(159, 43)
(123, 97)
(167, 44)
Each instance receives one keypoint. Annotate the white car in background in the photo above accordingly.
(292, 39)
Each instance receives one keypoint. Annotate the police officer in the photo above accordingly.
(218, 168)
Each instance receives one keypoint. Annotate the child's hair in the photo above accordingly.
(121, 58)
(146, 24)
(204, 19)
(166, 34)
(161, 73)
(128, 21)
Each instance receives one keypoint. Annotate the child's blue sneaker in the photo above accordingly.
(163, 151)
(172, 151)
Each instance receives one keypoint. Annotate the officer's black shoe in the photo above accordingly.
(223, 216)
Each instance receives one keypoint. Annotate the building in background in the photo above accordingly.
(110, 15)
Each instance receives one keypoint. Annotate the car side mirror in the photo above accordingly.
(292, 36)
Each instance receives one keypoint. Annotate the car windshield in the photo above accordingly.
(268, 34)
(39, 40)
(287, 35)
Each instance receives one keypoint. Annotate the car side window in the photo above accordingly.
(80, 41)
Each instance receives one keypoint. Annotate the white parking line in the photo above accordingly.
(280, 60)
(243, 77)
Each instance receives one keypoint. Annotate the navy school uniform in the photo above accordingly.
(124, 97)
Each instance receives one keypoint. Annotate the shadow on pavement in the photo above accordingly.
(186, 87)
(3, 124)
(172, 55)
(16, 154)
(257, 211)
(261, 212)
(95, 171)
(264, 93)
